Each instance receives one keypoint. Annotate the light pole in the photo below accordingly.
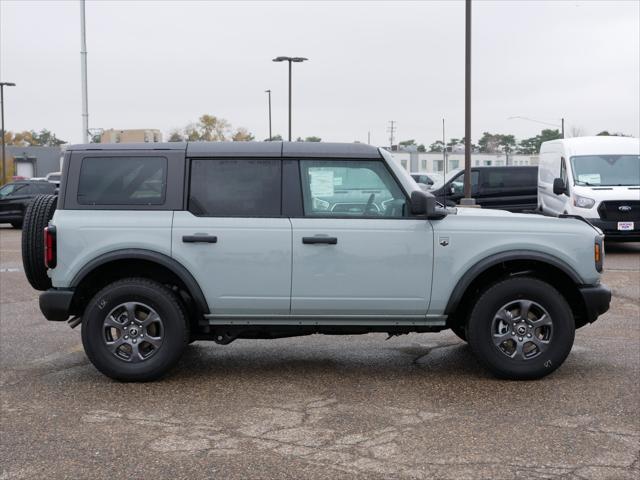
(290, 60)
(467, 200)
(561, 126)
(4, 163)
(269, 93)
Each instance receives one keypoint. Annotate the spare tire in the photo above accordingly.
(36, 218)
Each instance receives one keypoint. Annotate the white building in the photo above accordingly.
(434, 162)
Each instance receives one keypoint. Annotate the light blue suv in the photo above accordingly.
(152, 246)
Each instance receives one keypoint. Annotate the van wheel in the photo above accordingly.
(36, 218)
(521, 329)
(134, 330)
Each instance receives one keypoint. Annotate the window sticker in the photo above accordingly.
(592, 178)
(321, 183)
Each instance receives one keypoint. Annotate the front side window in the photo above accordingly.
(122, 181)
(510, 178)
(352, 188)
(606, 170)
(457, 185)
(235, 188)
(9, 189)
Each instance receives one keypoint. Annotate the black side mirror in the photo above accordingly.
(559, 186)
(423, 203)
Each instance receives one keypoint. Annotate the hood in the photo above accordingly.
(484, 212)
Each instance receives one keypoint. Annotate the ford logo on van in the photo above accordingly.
(624, 208)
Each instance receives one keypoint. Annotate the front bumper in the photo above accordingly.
(611, 232)
(597, 299)
(55, 304)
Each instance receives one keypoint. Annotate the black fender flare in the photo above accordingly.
(493, 260)
(140, 254)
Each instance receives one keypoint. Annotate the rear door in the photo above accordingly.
(355, 250)
(233, 238)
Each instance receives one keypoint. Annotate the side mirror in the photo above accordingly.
(423, 203)
(559, 186)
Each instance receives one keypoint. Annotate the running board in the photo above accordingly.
(336, 320)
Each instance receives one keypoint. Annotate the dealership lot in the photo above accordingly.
(415, 406)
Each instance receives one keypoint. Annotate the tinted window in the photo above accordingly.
(235, 188)
(350, 188)
(122, 181)
(510, 178)
(457, 185)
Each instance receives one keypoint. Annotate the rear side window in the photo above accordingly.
(235, 188)
(510, 178)
(122, 181)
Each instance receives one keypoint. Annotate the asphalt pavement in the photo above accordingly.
(414, 406)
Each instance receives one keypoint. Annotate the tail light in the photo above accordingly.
(50, 254)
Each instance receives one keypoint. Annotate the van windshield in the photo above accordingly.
(606, 170)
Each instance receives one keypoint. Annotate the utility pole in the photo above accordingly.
(467, 200)
(391, 129)
(369, 137)
(444, 152)
(269, 93)
(83, 67)
(562, 126)
(4, 162)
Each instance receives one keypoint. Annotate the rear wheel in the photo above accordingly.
(36, 218)
(521, 328)
(134, 330)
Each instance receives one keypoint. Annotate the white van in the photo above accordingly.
(597, 178)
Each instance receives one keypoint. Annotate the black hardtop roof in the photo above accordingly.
(246, 149)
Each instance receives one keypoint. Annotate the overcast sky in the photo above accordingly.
(161, 64)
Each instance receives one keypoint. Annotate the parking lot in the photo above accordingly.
(415, 406)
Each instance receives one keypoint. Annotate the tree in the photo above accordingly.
(212, 128)
(45, 138)
(496, 143)
(175, 136)
(422, 148)
(313, 139)
(531, 146)
(275, 138)
(407, 143)
(605, 133)
(241, 135)
(436, 147)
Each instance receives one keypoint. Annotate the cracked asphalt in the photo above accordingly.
(415, 406)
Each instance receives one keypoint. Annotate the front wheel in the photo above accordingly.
(521, 329)
(134, 330)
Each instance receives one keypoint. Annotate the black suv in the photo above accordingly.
(504, 188)
(15, 196)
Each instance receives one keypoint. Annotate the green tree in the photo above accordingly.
(496, 142)
(422, 148)
(275, 138)
(605, 133)
(176, 136)
(407, 143)
(313, 139)
(45, 138)
(531, 146)
(436, 147)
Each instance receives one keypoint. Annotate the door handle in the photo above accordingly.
(318, 239)
(199, 239)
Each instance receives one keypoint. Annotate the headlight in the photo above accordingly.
(583, 202)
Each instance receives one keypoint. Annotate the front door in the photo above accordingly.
(356, 252)
(233, 239)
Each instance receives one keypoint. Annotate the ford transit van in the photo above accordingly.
(597, 178)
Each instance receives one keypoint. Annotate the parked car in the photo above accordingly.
(595, 177)
(54, 177)
(506, 188)
(15, 196)
(429, 179)
(152, 246)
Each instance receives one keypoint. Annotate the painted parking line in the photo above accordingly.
(3, 270)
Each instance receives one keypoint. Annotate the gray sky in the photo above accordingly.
(162, 64)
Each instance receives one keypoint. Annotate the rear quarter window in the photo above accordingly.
(122, 181)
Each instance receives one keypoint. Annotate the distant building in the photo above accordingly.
(146, 135)
(29, 162)
(434, 162)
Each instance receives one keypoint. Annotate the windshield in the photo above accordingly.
(606, 170)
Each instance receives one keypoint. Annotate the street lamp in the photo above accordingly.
(269, 93)
(561, 126)
(290, 60)
(4, 163)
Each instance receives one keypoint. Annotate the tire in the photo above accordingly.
(541, 342)
(36, 218)
(16, 225)
(105, 318)
(460, 332)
